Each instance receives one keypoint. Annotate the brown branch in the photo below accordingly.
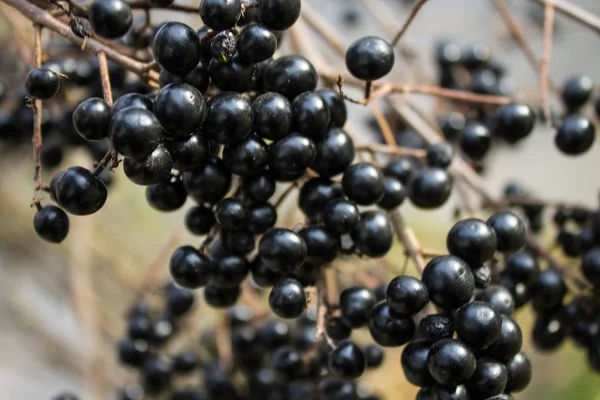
(285, 194)
(544, 65)
(223, 339)
(36, 138)
(411, 17)
(322, 309)
(43, 18)
(105, 78)
(392, 150)
(384, 125)
(408, 239)
(574, 12)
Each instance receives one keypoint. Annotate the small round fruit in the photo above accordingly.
(522, 267)
(430, 188)
(509, 342)
(475, 141)
(154, 169)
(79, 191)
(42, 83)
(292, 154)
(548, 290)
(231, 213)
(282, 249)
(519, 373)
(51, 224)
(134, 132)
(228, 118)
(311, 115)
(199, 220)
(355, 305)
(577, 91)
(288, 299)
(489, 379)
(337, 107)
(341, 216)
(514, 122)
(180, 108)
(449, 281)
(273, 116)
(256, 43)
(177, 48)
(248, 157)
(393, 195)
(509, 230)
(189, 268)
(334, 153)
(347, 360)
(91, 119)
(436, 327)
(414, 363)
(168, 195)
(189, 153)
(406, 295)
(590, 266)
(315, 194)
(210, 183)
(575, 136)
(440, 155)
(363, 183)
(290, 75)
(110, 19)
(451, 362)
(278, 15)
(374, 235)
(478, 324)
(472, 240)
(387, 329)
(370, 58)
(322, 245)
(220, 14)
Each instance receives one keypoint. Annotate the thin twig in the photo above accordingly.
(322, 312)
(285, 194)
(548, 30)
(224, 344)
(384, 125)
(36, 138)
(408, 239)
(385, 149)
(111, 155)
(574, 12)
(411, 17)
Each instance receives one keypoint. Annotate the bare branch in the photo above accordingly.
(36, 138)
(544, 65)
(411, 17)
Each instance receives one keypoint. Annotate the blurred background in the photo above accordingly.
(62, 306)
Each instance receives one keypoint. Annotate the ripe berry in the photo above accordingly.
(42, 83)
(133, 352)
(363, 183)
(478, 324)
(134, 132)
(549, 332)
(168, 195)
(154, 169)
(157, 374)
(522, 267)
(519, 373)
(91, 119)
(401, 168)
(374, 235)
(475, 141)
(414, 363)
(189, 153)
(228, 118)
(220, 14)
(322, 245)
(288, 299)
(231, 213)
(218, 297)
(176, 48)
(261, 217)
(590, 266)
(110, 19)
(256, 43)
(509, 230)
(440, 155)
(449, 392)
(406, 295)
(334, 153)
(210, 183)
(179, 300)
(282, 249)
(315, 194)
(341, 216)
(472, 240)
(248, 157)
(577, 91)
(347, 360)
(51, 224)
(387, 329)
(374, 355)
(259, 188)
(575, 136)
(236, 75)
(430, 188)
(509, 343)
(514, 122)
(548, 291)
(451, 362)
(370, 58)
(278, 15)
(393, 195)
(292, 154)
(449, 281)
(134, 100)
(436, 327)
(272, 116)
(180, 108)
(311, 115)
(229, 271)
(337, 108)
(78, 191)
(290, 75)
(489, 379)
(355, 305)
(499, 298)
(189, 268)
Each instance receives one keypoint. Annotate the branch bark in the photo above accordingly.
(37, 109)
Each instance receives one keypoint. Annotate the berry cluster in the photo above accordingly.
(216, 116)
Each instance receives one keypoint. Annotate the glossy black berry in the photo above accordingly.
(387, 329)
(219, 297)
(290, 75)
(374, 234)
(337, 329)
(451, 362)
(336, 105)
(452, 125)
(256, 43)
(311, 115)
(548, 290)
(134, 132)
(363, 183)
(522, 267)
(514, 122)
(347, 360)
(322, 245)
(157, 374)
(220, 14)
(355, 305)
(575, 136)
(210, 183)
(278, 14)
(414, 363)
(509, 230)
(79, 191)
(406, 295)
(259, 187)
(282, 249)
(179, 300)
(316, 194)
(51, 224)
(472, 240)
(370, 58)
(134, 100)
(42, 83)
(110, 19)
(180, 108)
(273, 116)
(577, 91)
(228, 118)
(440, 155)
(288, 299)
(449, 281)
(154, 169)
(478, 324)
(189, 153)
(498, 297)
(292, 154)
(334, 153)
(168, 195)
(262, 216)
(430, 188)
(341, 216)
(475, 141)
(374, 355)
(133, 352)
(231, 213)
(248, 157)
(549, 332)
(590, 266)
(393, 195)
(91, 119)
(237, 75)
(519, 373)
(440, 392)
(436, 327)
(189, 268)
(489, 379)
(229, 271)
(176, 48)
(509, 343)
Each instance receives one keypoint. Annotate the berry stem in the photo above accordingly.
(322, 309)
(544, 65)
(411, 17)
(37, 122)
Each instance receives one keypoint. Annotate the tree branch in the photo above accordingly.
(574, 12)
(411, 17)
(37, 109)
(548, 30)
